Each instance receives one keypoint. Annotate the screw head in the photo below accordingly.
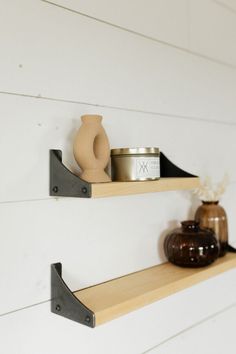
(58, 307)
(84, 190)
(55, 189)
(87, 319)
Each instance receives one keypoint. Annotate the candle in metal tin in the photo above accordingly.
(135, 164)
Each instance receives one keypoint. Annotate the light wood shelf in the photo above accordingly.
(64, 183)
(128, 188)
(117, 297)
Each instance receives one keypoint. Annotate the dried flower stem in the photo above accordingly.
(207, 192)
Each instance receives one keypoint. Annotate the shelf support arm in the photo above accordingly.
(64, 183)
(64, 302)
(168, 169)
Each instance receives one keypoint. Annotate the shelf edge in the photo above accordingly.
(195, 276)
(100, 190)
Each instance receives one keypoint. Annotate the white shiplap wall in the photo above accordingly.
(161, 73)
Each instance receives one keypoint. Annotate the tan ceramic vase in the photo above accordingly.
(92, 149)
(211, 215)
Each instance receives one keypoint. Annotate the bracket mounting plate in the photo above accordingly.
(64, 183)
(64, 302)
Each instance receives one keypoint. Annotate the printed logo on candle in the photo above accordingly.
(147, 167)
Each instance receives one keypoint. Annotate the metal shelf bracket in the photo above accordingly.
(64, 302)
(168, 169)
(64, 183)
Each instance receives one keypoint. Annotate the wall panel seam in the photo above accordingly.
(24, 308)
(118, 108)
(186, 50)
(225, 6)
(196, 324)
(28, 200)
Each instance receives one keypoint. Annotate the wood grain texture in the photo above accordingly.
(127, 188)
(120, 296)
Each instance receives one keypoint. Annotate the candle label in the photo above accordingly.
(147, 167)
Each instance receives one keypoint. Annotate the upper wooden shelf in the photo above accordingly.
(65, 183)
(128, 188)
(109, 300)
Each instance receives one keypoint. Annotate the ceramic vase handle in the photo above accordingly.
(92, 150)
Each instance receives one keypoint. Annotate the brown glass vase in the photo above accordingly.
(191, 246)
(213, 216)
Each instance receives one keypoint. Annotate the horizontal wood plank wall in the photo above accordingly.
(148, 76)
(174, 23)
(219, 329)
(138, 331)
(228, 4)
(218, 25)
(37, 125)
(56, 65)
(162, 20)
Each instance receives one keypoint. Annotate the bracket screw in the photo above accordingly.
(84, 190)
(55, 189)
(58, 307)
(87, 319)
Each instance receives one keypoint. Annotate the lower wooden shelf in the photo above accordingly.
(120, 296)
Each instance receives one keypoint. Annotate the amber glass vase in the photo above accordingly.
(191, 246)
(213, 216)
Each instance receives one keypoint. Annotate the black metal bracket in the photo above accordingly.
(231, 249)
(168, 169)
(64, 302)
(64, 183)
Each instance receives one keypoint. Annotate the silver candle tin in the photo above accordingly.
(135, 164)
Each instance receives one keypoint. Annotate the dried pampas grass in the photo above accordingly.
(208, 192)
